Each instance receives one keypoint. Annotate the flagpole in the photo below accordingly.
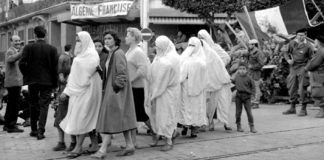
(318, 9)
(250, 22)
(231, 28)
(242, 26)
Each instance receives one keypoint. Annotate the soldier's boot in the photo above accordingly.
(252, 129)
(239, 128)
(291, 110)
(303, 111)
(320, 114)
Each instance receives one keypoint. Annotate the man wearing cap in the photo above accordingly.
(298, 55)
(39, 67)
(316, 67)
(255, 61)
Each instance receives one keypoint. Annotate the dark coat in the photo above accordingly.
(117, 112)
(39, 64)
(13, 76)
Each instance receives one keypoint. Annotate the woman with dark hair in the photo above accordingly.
(117, 112)
(103, 53)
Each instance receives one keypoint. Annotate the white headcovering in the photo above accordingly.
(87, 45)
(193, 67)
(203, 34)
(217, 73)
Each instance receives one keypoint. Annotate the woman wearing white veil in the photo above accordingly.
(84, 89)
(164, 91)
(193, 79)
(203, 34)
(219, 92)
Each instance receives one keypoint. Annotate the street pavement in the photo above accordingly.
(279, 137)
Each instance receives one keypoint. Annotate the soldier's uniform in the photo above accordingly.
(316, 67)
(298, 80)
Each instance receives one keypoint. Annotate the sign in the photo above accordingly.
(106, 9)
(146, 34)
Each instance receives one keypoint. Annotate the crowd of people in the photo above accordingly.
(103, 90)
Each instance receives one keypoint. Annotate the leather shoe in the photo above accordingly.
(71, 147)
(40, 136)
(167, 147)
(289, 111)
(126, 152)
(302, 113)
(14, 130)
(33, 133)
(60, 147)
(5, 128)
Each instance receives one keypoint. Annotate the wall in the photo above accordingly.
(55, 35)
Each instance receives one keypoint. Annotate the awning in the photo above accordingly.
(173, 16)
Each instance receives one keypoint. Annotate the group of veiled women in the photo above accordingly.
(174, 92)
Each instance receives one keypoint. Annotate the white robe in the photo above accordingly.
(165, 92)
(219, 90)
(164, 89)
(84, 88)
(193, 99)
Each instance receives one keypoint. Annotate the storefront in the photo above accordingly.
(162, 20)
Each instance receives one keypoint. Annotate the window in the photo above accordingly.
(21, 34)
(3, 46)
(9, 37)
(31, 35)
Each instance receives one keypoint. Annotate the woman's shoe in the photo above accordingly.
(193, 135)
(71, 147)
(73, 155)
(227, 128)
(99, 155)
(184, 131)
(126, 152)
(155, 141)
(167, 147)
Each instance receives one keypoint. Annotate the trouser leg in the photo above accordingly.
(34, 106)
(44, 101)
(12, 109)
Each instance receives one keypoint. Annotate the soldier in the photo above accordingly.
(316, 67)
(255, 60)
(298, 55)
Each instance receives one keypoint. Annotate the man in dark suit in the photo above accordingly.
(13, 82)
(39, 68)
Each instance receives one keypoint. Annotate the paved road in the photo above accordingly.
(279, 137)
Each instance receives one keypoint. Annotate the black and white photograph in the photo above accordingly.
(161, 79)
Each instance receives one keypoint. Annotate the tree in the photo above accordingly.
(206, 9)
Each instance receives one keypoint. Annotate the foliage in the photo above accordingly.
(206, 9)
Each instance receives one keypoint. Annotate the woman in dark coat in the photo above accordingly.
(117, 112)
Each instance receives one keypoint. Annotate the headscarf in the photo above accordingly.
(165, 46)
(194, 49)
(203, 34)
(83, 67)
(87, 46)
(193, 67)
(217, 73)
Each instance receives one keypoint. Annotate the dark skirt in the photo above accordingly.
(61, 111)
(138, 94)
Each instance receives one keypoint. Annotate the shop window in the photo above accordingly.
(9, 37)
(31, 35)
(3, 46)
(21, 34)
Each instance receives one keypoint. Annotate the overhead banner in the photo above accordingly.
(106, 9)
